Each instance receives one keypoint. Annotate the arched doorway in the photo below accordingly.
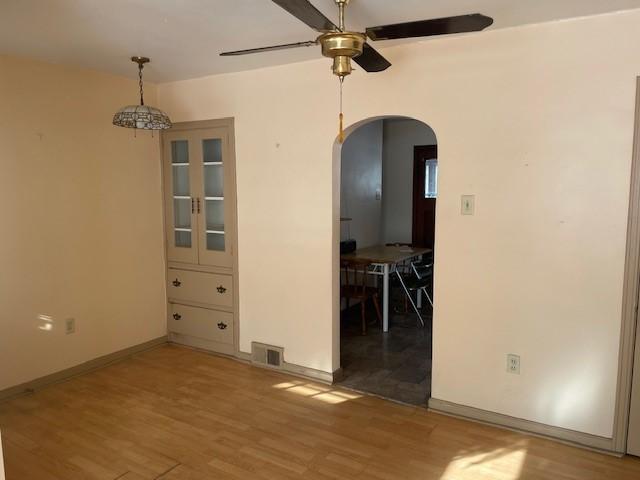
(385, 191)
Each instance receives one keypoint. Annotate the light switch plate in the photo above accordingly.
(467, 204)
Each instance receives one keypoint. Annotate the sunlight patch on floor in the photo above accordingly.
(317, 392)
(509, 461)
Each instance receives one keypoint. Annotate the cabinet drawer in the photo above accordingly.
(200, 287)
(201, 323)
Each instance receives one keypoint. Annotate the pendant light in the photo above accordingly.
(141, 116)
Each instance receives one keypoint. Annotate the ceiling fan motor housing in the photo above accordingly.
(342, 44)
(342, 47)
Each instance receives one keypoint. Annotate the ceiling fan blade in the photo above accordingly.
(269, 49)
(304, 11)
(426, 28)
(371, 60)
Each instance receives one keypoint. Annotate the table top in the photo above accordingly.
(385, 253)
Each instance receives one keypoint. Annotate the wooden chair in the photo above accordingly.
(355, 287)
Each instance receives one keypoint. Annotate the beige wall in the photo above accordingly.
(537, 122)
(80, 204)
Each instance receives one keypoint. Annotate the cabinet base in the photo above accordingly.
(202, 344)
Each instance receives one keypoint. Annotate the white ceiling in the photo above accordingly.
(183, 37)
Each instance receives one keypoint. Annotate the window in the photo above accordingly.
(431, 178)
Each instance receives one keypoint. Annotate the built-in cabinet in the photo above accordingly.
(200, 206)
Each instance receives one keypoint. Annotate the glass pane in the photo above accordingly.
(431, 178)
(213, 181)
(215, 241)
(215, 215)
(181, 180)
(183, 239)
(182, 222)
(212, 150)
(179, 151)
(182, 212)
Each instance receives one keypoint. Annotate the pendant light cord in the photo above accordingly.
(140, 67)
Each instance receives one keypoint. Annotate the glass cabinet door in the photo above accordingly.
(213, 193)
(181, 202)
(200, 201)
(214, 247)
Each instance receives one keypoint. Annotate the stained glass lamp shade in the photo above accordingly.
(141, 116)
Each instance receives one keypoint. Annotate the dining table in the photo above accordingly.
(384, 260)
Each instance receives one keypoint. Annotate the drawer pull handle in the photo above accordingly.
(176, 283)
(177, 316)
(221, 289)
(222, 325)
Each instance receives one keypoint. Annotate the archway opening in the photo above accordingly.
(386, 195)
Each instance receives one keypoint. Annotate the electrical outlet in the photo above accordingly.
(513, 363)
(70, 326)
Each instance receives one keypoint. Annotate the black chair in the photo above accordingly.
(418, 280)
(422, 280)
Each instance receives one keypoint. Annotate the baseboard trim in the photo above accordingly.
(306, 372)
(85, 367)
(572, 437)
(202, 344)
(292, 369)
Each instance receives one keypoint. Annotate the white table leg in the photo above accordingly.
(419, 302)
(385, 297)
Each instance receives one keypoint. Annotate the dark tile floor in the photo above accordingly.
(395, 365)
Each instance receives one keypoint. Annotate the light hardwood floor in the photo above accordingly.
(173, 413)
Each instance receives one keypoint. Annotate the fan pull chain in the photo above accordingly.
(341, 131)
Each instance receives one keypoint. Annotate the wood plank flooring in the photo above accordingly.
(176, 414)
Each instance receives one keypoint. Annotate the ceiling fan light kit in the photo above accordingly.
(343, 45)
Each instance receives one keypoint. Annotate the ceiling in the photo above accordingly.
(183, 37)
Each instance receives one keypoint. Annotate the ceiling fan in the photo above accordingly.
(343, 45)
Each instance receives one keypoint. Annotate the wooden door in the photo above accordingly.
(425, 178)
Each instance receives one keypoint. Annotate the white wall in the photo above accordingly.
(400, 136)
(361, 180)
(82, 233)
(537, 122)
